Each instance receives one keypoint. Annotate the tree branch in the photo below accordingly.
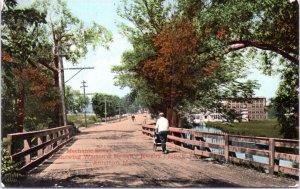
(44, 63)
(240, 44)
(150, 14)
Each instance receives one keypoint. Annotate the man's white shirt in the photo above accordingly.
(162, 124)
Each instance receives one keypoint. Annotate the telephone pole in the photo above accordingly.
(119, 111)
(105, 111)
(84, 86)
(105, 107)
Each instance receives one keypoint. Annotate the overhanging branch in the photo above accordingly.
(240, 44)
(45, 63)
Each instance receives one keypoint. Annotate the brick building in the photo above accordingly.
(253, 108)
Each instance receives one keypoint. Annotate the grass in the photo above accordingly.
(265, 128)
(78, 119)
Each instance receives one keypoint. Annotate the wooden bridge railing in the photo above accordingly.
(225, 146)
(31, 148)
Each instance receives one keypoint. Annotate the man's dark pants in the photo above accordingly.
(163, 139)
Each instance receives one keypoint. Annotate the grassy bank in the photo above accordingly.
(266, 128)
(78, 119)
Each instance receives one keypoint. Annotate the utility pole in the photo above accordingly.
(64, 82)
(61, 79)
(105, 110)
(119, 111)
(84, 86)
(105, 113)
(105, 107)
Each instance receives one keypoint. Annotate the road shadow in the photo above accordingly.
(100, 132)
(52, 158)
(122, 180)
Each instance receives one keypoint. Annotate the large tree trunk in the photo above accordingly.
(20, 112)
(58, 106)
(172, 116)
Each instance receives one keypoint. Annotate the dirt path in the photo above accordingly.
(118, 155)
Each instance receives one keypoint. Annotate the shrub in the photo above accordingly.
(10, 171)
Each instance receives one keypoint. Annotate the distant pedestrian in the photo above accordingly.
(162, 127)
(145, 118)
(133, 118)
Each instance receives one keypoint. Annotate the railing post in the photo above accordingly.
(226, 147)
(63, 133)
(71, 131)
(172, 134)
(26, 147)
(271, 155)
(54, 136)
(67, 132)
(40, 152)
(182, 137)
(9, 145)
(194, 140)
(49, 138)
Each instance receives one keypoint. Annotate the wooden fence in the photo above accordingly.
(32, 148)
(225, 146)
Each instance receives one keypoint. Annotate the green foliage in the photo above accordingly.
(249, 165)
(230, 115)
(263, 22)
(281, 174)
(44, 118)
(75, 101)
(113, 105)
(78, 119)
(29, 61)
(286, 102)
(25, 82)
(197, 72)
(67, 30)
(295, 165)
(10, 173)
(266, 128)
(270, 109)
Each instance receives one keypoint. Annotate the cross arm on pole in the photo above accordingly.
(80, 69)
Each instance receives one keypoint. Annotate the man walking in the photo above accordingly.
(162, 127)
(132, 118)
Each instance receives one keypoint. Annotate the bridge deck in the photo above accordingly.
(118, 155)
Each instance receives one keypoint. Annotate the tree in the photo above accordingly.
(75, 101)
(67, 30)
(174, 62)
(286, 102)
(22, 45)
(82, 102)
(262, 25)
(104, 103)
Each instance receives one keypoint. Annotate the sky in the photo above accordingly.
(100, 79)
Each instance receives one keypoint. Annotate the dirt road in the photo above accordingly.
(118, 155)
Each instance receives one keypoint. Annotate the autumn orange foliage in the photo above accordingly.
(173, 70)
(37, 84)
(6, 57)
